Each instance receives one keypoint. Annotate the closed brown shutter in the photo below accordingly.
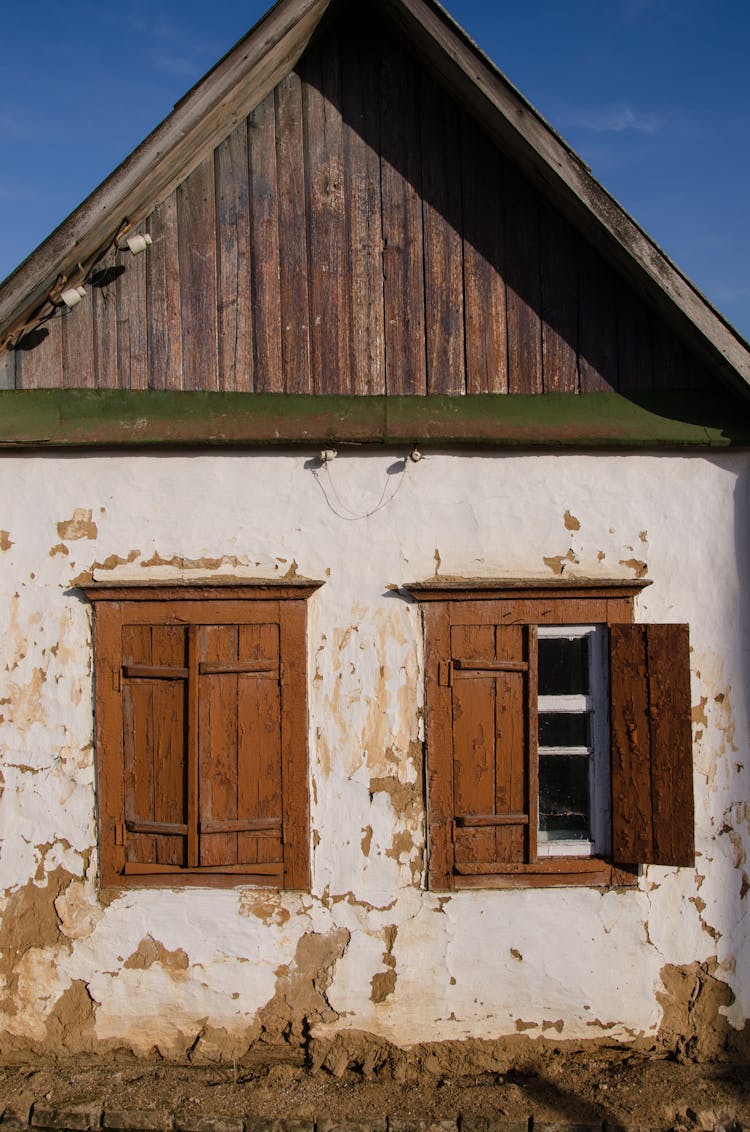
(650, 721)
(202, 739)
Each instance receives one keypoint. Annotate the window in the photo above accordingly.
(558, 736)
(201, 744)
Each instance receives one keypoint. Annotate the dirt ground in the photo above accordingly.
(624, 1088)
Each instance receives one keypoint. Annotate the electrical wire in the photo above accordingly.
(354, 516)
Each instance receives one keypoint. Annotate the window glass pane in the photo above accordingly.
(564, 797)
(563, 666)
(563, 729)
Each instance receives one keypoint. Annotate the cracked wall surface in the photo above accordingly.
(212, 973)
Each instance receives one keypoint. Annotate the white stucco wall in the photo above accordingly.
(575, 963)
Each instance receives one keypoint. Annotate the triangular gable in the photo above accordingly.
(331, 275)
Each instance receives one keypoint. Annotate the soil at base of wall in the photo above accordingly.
(624, 1088)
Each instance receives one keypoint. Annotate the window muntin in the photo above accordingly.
(573, 741)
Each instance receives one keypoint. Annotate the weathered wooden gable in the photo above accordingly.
(357, 234)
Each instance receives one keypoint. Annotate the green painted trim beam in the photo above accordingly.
(79, 418)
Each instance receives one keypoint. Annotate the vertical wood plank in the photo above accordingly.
(132, 318)
(78, 367)
(439, 746)
(296, 821)
(401, 181)
(109, 737)
(477, 708)
(511, 757)
(104, 315)
(164, 303)
(8, 369)
(597, 322)
(632, 829)
(483, 252)
(532, 740)
(328, 257)
(39, 356)
(559, 265)
(259, 744)
(217, 744)
(670, 370)
(671, 744)
(360, 79)
(443, 243)
(196, 219)
(193, 747)
(264, 235)
(138, 744)
(634, 342)
(523, 284)
(234, 263)
(295, 299)
(168, 648)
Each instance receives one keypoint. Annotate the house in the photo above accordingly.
(374, 553)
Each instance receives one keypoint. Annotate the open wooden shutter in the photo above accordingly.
(650, 722)
(494, 800)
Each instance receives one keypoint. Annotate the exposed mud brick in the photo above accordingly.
(264, 1124)
(395, 1125)
(78, 1119)
(189, 1122)
(350, 1125)
(557, 1127)
(138, 1120)
(487, 1124)
(15, 1120)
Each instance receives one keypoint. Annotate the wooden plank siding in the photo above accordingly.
(357, 234)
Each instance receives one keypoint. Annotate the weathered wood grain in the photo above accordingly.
(523, 285)
(483, 253)
(443, 240)
(196, 218)
(295, 298)
(264, 237)
(235, 329)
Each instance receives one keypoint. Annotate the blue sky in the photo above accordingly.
(654, 95)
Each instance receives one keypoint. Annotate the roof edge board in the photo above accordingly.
(173, 149)
(514, 122)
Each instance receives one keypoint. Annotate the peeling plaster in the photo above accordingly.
(367, 961)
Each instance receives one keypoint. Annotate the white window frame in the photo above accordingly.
(596, 705)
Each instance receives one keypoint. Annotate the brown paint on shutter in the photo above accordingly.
(234, 263)
(632, 833)
(439, 759)
(296, 827)
(217, 744)
(259, 747)
(153, 743)
(474, 729)
(671, 744)
(652, 800)
(108, 736)
(295, 300)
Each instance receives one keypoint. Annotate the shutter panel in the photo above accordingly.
(239, 751)
(489, 684)
(154, 685)
(650, 721)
